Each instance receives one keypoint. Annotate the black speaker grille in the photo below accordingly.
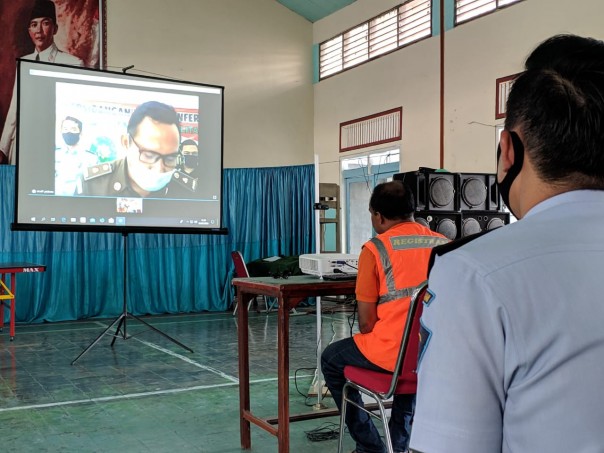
(476, 221)
(447, 228)
(470, 226)
(446, 223)
(433, 190)
(442, 192)
(474, 192)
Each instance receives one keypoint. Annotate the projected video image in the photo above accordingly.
(121, 142)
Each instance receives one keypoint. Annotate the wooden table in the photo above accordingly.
(289, 292)
(10, 270)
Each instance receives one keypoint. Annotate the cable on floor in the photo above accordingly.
(326, 431)
(352, 318)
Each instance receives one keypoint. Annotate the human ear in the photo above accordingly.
(125, 140)
(506, 152)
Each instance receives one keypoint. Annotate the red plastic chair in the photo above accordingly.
(382, 386)
(242, 272)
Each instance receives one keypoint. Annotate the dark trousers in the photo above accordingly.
(333, 360)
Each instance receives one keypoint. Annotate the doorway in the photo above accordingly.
(360, 174)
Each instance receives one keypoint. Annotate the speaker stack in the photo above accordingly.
(456, 204)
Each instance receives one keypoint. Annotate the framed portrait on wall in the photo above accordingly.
(69, 32)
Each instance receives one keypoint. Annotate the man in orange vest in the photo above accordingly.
(392, 266)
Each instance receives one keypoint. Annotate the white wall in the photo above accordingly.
(258, 50)
(476, 54)
(261, 52)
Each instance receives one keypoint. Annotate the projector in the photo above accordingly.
(329, 263)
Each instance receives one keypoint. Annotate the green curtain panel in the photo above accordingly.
(268, 211)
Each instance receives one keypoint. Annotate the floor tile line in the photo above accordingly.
(103, 399)
(190, 361)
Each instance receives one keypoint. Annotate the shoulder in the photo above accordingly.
(66, 58)
(185, 181)
(483, 252)
(107, 178)
(453, 245)
(97, 171)
(408, 235)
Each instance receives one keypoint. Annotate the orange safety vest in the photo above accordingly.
(401, 255)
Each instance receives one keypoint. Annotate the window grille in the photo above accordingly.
(355, 46)
(466, 10)
(503, 87)
(414, 21)
(383, 33)
(400, 26)
(383, 127)
(330, 60)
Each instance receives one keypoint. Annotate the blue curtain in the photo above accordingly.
(268, 211)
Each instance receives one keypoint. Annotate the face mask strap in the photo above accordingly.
(514, 170)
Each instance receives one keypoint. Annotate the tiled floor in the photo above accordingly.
(147, 394)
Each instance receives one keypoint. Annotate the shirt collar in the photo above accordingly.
(573, 196)
(46, 54)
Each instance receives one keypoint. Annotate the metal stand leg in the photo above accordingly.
(121, 320)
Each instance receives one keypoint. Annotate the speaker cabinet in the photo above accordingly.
(434, 191)
(478, 191)
(446, 223)
(474, 221)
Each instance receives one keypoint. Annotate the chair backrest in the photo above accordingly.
(240, 267)
(406, 363)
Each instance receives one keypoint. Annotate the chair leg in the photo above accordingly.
(249, 305)
(270, 303)
(343, 418)
(382, 417)
(385, 424)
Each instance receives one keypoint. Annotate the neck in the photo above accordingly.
(529, 189)
(390, 223)
(40, 50)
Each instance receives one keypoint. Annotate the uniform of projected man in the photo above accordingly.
(42, 30)
(149, 167)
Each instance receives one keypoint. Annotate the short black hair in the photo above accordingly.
(189, 141)
(75, 120)
(394, 200)
(558, 105)
(158, 111)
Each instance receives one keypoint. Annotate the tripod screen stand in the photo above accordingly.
(122, 319)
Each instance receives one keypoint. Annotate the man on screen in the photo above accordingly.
(190, 157)
(42, 30)
(149, 167)
(71, 157)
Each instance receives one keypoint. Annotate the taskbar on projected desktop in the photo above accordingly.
(120, 223)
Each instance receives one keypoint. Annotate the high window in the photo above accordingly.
(466, 10)
(395, 28)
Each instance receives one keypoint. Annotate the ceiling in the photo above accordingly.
(313, 10)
